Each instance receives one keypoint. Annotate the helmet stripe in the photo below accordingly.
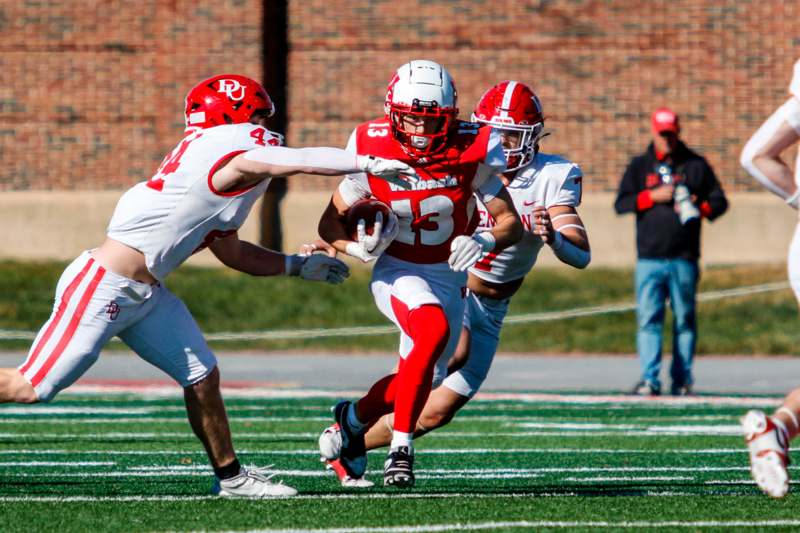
(508, 94)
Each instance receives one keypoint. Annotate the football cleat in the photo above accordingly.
(330, 443)
(251, 482)
(344, 478)
(398, 468)
(352, 450)
(769, 453)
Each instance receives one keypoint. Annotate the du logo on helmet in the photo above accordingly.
(230, 87)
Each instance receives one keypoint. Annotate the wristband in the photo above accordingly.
(486, 240)
(569, 253)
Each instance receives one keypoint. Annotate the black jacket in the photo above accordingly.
(659, 232)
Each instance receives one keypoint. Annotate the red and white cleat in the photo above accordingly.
(330, 443)
(344, 478)
(769, 453)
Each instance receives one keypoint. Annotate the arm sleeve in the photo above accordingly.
(715, 203)
(354, 186)
(628, 192)
(320, 157)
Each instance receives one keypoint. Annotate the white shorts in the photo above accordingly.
(483, 317)
(415, 285)
(91, 306)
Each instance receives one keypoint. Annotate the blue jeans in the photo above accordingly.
(655, 280)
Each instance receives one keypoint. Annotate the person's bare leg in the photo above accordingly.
(209, 420)
(15, 388)
(789, 413)
(439, 410)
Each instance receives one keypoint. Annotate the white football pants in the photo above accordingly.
(91, 306)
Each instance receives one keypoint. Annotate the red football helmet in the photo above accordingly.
(424, 92)
(513, 107)
(226, 99)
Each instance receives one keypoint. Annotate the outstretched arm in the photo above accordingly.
(252, 166)
(258, 261)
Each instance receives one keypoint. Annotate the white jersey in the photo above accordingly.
(548, 180)
(178, 212)
(794, 86)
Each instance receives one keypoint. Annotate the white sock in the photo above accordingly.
(782, 428)
(352, 419)
(400, 438)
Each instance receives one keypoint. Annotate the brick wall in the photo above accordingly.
(599, 67)
(92, 92)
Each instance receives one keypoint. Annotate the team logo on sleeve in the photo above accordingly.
(112, 310)
(230, 88)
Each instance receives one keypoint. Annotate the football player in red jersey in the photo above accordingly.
(546, 190)
(422, 252)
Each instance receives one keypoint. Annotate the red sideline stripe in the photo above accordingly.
(73, 325)
(60, 313)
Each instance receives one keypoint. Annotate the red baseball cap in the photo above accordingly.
(665, 119)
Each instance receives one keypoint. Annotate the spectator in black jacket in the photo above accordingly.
(670, 188)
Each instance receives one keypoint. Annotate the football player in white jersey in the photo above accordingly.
(199, 197)
(768, 436)
(545, 189)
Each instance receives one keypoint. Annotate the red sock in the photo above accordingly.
(428, 327)
(378, 401)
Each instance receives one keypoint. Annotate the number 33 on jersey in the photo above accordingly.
(441, 205)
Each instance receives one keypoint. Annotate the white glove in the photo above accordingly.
(317, 267)
(370, 247)
(388, 170)
(465, 251)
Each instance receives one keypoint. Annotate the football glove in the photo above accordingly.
(317, 267)
(370, 247)
(388, 170)
(465, 250)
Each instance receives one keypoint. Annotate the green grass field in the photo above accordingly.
(225, 301)
(126, 463)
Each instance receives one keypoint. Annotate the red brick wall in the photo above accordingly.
(600, 68)
(92, 92)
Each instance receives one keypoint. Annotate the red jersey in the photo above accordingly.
(441, 205)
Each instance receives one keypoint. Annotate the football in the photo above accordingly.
(365, 209)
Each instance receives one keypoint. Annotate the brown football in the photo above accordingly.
(365, 209)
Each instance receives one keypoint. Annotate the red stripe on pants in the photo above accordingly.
(70, 331)
(62, 307)
(429, 329)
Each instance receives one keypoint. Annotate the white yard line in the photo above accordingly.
(540, 524)
(36, 464)
(438, 473)
(260, 392)
(341, 496)
(422, 451)
(627, 478)
(444, 435)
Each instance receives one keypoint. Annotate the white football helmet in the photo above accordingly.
(423, 91)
